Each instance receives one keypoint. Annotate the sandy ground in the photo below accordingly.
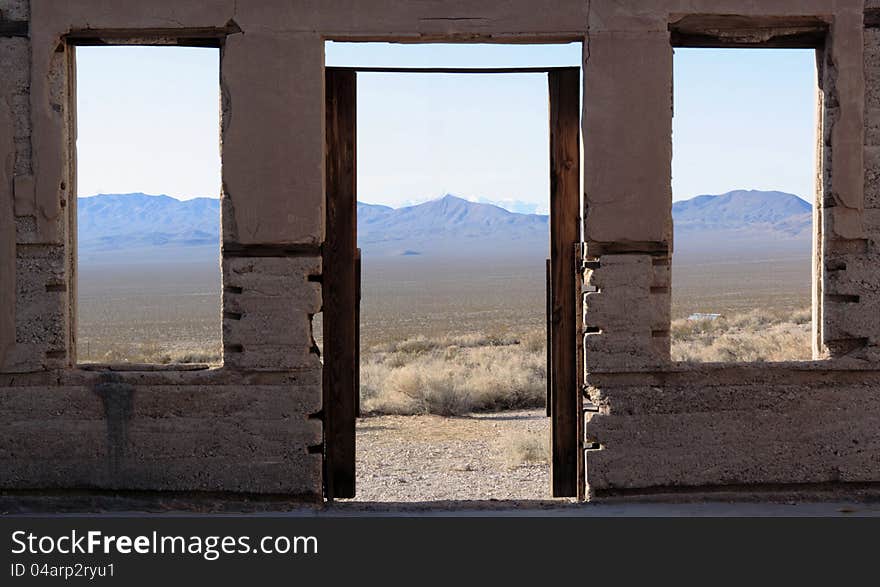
(432, 458)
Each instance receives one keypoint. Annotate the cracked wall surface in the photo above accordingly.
(254, 424)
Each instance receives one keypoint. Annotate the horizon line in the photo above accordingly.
(486, 201)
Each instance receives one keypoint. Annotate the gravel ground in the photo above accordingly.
(432, 458)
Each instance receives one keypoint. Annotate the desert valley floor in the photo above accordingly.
(479, 325)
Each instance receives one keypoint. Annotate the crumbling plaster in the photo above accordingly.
(253, 425)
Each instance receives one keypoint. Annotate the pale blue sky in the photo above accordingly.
(148, 121)
(744, 118)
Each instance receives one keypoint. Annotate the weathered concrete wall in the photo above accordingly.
(852, 283)
(250, 426)
(765, 426)
(675, 427)
(254, 424)
(268, 304)
(163, 430)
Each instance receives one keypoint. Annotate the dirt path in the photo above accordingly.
(430, 458)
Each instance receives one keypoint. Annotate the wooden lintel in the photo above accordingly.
(654, 248)
(14, 28)
(271, 250)
(736, 31)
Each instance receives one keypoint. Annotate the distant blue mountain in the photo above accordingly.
(140, 228)
(449, 224)
(139, 225)
(744, 210)
(125, 221)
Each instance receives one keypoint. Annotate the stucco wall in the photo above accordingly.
(253, 425)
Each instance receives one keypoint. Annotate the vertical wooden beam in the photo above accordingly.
(340, 375)
(548, 291)
(564, 86)
(358, 278)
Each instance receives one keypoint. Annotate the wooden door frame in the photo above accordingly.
(340, 376)
(340, 281)
(566, 331)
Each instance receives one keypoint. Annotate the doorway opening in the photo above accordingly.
(434, 319)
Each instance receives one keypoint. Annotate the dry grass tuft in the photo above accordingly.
(523, 448)
(152, 354)
(751, 337)
(454, 375)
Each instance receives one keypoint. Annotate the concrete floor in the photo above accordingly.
(109, 506)
(707, 509)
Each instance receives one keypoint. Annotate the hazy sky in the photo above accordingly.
(148, 121)
(744, 118)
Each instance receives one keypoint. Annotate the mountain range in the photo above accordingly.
(162, 228)
(123, 221)
(451, 225)
(744, 211)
